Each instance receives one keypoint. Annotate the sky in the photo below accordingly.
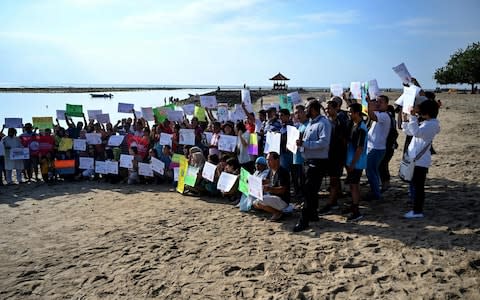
(218, 42)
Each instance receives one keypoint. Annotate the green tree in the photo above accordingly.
(462, 68)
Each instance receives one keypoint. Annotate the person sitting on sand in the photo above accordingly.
(276, 188)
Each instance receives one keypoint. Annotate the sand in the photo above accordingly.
(90, 240)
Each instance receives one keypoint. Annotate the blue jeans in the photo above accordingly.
(374, 158)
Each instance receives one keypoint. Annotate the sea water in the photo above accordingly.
(28, 105)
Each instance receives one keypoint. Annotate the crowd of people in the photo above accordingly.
(333, 142)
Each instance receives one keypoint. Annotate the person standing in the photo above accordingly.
(356, 157)
(377, 140)
(10, 142)
(423, 134)
(315, 143)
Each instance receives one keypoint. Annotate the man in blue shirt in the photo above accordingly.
(315, 145)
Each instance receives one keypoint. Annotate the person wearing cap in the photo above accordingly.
(315, 144)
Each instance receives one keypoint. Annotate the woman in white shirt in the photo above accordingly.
(246, 160)
(423, 134)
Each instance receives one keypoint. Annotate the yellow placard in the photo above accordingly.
(181, 174)
(65, 144)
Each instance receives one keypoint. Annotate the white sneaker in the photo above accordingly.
(412, 215)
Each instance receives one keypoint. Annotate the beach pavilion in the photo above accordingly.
(279, 82)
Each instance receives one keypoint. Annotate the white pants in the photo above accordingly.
(272, 201)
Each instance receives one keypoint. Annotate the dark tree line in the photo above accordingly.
(462, 68)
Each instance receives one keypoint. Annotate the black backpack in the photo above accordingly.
(392, 134)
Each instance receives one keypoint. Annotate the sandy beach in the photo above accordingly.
(91, 240)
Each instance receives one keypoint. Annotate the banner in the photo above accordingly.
(141, 143)
(38, 144)
(181, 174)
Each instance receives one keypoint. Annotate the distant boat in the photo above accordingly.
(101, 95)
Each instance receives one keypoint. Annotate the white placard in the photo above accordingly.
(222, 113)
(138, 114)
(19, 153)
(100, 167)
(247, 100)
(92, 114)
(13, 123)
(209, 171)
(408, 97)
(147, 113)
(226, 181)
(103, 118)
(189, 109)
(166, 139)
(111, 167)
(187, 137)
(255, 187)
(61, 114)
(373, 90)
(227, 143)
(208, 137)
(175, 115)
(80, 145)
(125, 108)
(157, 165)
(115, 140)
(403, 73)
(272, 143)
(336, 89)
(94, 138)
(176, 172)
(145, 169)
(355, 89)
(208, 101)
(295, 97)
(126, 161)
(86, 163)
(292, 136)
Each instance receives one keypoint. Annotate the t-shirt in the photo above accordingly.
(377, 135)
(280, 178)
(357, 138)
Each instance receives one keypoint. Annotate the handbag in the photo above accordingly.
(407, 166)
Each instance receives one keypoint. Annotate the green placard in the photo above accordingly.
(74, 110)
(285, 102)
(176, 157)
(243, 183)
(200, 114)
(191, 176)
(158, 115)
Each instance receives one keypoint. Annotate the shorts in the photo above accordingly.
(354, 176)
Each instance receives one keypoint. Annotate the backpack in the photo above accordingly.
(392, 134)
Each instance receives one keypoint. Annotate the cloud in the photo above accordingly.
(303, 36)
(340, 17)
(198, 12)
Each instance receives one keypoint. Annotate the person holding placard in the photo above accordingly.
(10, 142)
(276, 189)
(377, 141)
(232, 166)
(423, 134)
(47, 168)
(30, 165)
(246, 160)
(315, 144)
(286, 157)
(2, 156)
(133, 177)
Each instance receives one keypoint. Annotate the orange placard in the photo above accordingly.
(65, 164)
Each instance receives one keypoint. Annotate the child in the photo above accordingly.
(47, 168)
(133, 172)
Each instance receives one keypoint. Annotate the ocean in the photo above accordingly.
(28, 105)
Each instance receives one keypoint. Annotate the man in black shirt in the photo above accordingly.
(276, 190)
